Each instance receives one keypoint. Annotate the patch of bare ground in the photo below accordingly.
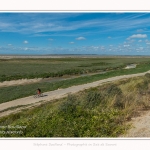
(19, 82)
(140, 125)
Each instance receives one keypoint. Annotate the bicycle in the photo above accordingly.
(38, 95)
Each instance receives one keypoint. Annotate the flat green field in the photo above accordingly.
(24, 67)
(96, 112)
(12, 69)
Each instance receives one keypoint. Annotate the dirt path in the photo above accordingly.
(19, 82)
(140, 126)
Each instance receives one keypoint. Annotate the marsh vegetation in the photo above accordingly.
(13, 69)
(9, 69)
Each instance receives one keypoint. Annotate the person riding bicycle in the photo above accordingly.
(39, 92)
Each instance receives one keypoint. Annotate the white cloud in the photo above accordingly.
(102, 47)
(126, 45)
(9, 44)
(80, 38)
(25, 42)
(140, 30)
(138, 36)
(147, 41)
(109, 37)
(71, 42)
(36, 23)
(140, 41)
(129, 40)
(26, 48)
(141, 47)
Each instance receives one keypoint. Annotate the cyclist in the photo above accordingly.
(39, 92)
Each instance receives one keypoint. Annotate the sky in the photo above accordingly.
(102, 33)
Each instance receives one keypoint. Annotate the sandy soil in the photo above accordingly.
(141, 124)
(19, 82)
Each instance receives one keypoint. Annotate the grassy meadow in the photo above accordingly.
(20, 91)
(97, 112)
(12, 69)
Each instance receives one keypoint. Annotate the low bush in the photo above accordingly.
(69, 106)
(113, 89)
(147, 75)
(93, 99)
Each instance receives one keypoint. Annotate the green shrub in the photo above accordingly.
(142, 87)
(119, 102)
(147, 75)
(93, 99)
(69, 106)
(113, 90)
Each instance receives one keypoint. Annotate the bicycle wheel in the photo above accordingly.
(36, 96)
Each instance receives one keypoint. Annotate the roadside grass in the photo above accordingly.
(20, 91)
(96, 112)
(14, 107)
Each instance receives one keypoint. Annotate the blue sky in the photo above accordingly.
(111, 33)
